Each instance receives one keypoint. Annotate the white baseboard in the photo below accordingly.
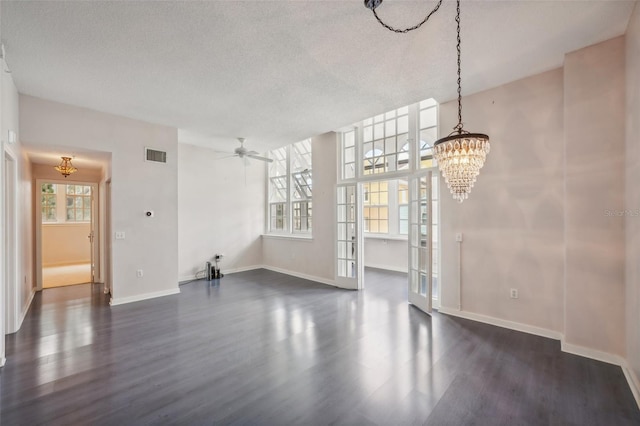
(512, 325)
(145, 296)
(301, 275)
(224, 271)
(243, 269)
(593, 354)
(388, 268)
(26, 307)
(634, 383)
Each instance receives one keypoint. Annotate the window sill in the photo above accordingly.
(301, 237)
(385, 237)
(65, 223)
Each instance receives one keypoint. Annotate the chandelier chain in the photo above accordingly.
(459, 126)
(406, 30)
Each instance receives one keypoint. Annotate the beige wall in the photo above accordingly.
(594, 126)
(314, 258)
(536, 219)
(150, 244)
(18, 290)
(632, 195)
(218, 211)
(512, 223)
(387, 254)
(65, 243)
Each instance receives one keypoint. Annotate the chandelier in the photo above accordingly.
(461, 154)
(65, 167)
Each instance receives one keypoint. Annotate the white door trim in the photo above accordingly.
(95, 210)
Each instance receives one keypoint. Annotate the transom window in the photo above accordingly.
(349, 154)
(398, 140)
(428, 128)
(384, 144)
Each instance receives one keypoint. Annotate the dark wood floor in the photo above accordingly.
(269, 349)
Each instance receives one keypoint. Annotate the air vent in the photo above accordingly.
(155, 156)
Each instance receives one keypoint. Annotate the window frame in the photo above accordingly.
(296, 206)
(61, 207)
(416, 165)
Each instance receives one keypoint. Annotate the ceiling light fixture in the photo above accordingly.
(461, 154)
(65, 167)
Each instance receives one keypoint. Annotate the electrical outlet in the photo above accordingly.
(459, 237)
(514, 293)
(140, 273)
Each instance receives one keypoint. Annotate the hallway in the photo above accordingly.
(58, 276)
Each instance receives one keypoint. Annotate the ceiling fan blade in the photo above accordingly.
(252, 152)
(257, 157)
(227, 156)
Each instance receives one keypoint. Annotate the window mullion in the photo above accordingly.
(289, 208)
(413, 137)
(359, 152)
(61, 201)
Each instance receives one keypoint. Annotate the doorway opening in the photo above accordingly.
(66, 233)
(386, 229)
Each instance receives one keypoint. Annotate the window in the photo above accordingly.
(278, 197)
(385, 147)
(390, 147)
(65, 203)
(78, 203)
(291, 188)
(428, 124)
(349, 154)
(49, 202)
(302, 184)
(403, 207)
(376, 207)
(393, 142)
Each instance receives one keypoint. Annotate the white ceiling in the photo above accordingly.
(278, 72)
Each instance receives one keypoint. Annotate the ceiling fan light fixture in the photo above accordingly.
(65, 167)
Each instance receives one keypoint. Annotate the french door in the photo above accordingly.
(349, 240)
(420, 250)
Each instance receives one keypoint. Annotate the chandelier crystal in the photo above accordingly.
(460, 158)
(461, 154)
(65, 167)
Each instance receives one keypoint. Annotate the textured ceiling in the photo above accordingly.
(278, 72)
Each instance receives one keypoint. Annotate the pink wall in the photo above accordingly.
(65, 243)
(632, 198)
(594, 114)
(535, 220)
(512, 223)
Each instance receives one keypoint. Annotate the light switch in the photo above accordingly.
(120, 235)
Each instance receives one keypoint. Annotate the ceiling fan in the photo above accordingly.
(243, 152)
